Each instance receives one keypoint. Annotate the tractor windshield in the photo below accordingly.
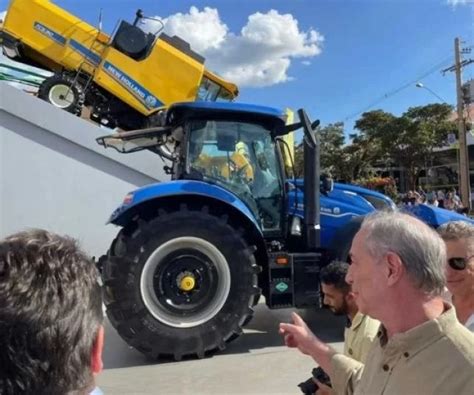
(240, 157)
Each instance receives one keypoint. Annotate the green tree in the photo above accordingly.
(408, 140)
(366, 148)
(344, 162)
(332, 149)
(332, 146)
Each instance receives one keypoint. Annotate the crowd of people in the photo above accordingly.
(442, 198)
(408, 294)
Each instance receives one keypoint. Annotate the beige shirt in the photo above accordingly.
(358, 338)
(436, 357)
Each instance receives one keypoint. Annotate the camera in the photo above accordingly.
(309, 387)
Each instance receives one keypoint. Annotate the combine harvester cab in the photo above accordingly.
(126, 78)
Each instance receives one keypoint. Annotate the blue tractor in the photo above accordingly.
(194, 255)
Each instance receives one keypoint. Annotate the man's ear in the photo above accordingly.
(349, 297)
(350, 301)
(394, 268)
(96, 357)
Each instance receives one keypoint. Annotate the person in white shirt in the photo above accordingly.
(459, 239)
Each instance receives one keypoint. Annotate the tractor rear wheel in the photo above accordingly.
(182, 284)
(61, 91)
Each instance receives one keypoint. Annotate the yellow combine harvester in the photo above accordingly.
(126, 79)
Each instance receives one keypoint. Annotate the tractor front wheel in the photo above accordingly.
(182, 284)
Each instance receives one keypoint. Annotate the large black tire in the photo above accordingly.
(142, 275)
(61, 91)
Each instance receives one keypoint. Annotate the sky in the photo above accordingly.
(335, 58)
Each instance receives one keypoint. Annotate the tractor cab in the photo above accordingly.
(239, 156)
(231, 146)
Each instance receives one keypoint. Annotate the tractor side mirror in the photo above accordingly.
(326, 184)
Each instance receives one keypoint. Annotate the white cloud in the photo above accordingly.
(2, 15)
(259, 55)
(202, 29)
(305, 62)
(459, 2)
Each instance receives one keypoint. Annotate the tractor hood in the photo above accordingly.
(347, 198)
(356, 195)
(435, 216)
(377, 199)
(338, 207)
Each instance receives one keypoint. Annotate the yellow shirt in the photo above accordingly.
(359, 336)
(436, 357)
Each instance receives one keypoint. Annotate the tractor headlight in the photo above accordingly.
(295, 228)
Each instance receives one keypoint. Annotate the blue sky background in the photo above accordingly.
(371, 48)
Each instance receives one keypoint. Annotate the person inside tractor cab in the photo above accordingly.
(238, 165)
(241, 157)
(265, 187)
(265, 178)
(220, 155)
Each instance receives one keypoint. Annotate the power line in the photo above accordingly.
(395, 91)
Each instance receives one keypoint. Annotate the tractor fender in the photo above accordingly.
(153, 193)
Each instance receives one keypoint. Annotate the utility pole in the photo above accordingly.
(464, 173)
(463, 163)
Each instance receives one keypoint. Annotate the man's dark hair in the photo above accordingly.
(335, 274)
(50, 314)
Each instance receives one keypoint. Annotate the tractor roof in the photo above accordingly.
(250, 112)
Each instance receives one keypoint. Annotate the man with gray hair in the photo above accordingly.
(459, 239)
(397, 277)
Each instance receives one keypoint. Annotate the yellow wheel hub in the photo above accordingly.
(187, 283)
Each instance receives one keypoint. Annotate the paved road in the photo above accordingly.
(256, 363)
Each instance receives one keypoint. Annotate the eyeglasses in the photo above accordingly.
(459, 263)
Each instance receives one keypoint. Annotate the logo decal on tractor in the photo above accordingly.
(49, 33)
(151, 101)
(145, 97)
(282, 287)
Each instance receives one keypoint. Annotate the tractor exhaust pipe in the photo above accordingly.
(312, 175)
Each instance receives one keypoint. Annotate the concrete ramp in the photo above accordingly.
(53, 174)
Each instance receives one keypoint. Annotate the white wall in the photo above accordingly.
(53, 175)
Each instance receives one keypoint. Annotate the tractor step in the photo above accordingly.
(294, 280)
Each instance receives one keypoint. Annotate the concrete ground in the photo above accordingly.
(256, 363)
